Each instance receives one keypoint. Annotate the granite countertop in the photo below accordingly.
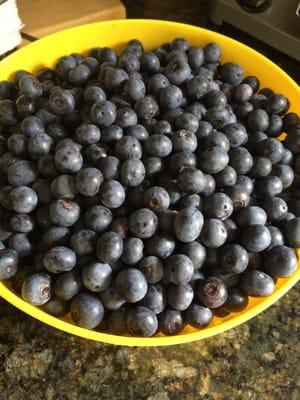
(259, 360)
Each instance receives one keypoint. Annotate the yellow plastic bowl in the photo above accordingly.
(46, 51)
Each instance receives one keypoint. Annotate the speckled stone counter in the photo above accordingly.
(259, 360)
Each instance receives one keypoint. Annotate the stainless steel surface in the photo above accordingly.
(278, 26)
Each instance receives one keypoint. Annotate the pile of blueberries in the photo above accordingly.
(146, 191)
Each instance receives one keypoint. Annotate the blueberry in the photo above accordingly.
(143, 223)
(232, 73)
(157, 82)
(277, 238)
(56, 307)
(54, 236)
(87, 134)
(138, 131)
(276, 208)
(156, 198)
(109, 247)
(30, 86)
(226, 177)
(191, 180)
(63, 187)
(236, 133)
(22, 223)
(178, 71)
(262, 167)
(22, 173)
(111, 299)
(31, 126)
(277, 103)
(268, 186)
(292, 141)
(214, 160)
(149, 62)
(184, 140)
(83, 242)
(153, 165)
(88, 181)
(256, 283)
(141, 321)
(120, 226)
(126, 117)
(212, 52)
(109, 166)
(112, 194)
(217, 138)
(171, 322)
(241, 160)
(214, 233)
(23, 199)
(131, 284)
(272, 149)
(170, 97)
(8, 263)
(239, 195)
(180, 297)
(179, 269)
(198, 316)
(233, 258)
(257, 120)
(187, 121)
(36, 289)
(291, 230)
(93, 94)
(21, 243)
(280, 261)
(188, 224)
(68, 159)
(128, 148)
(107, 54)
(236, 301)
(132, 172)
(134, 89)
(246, 183)
(146, 108)
(215, 98)
(111, 134)
(218, 205)
(97, 276)
(251, 215)
(275, 125)
(256, 238)
(59, 259)
(79, 75)
(158, 145)
(61, 101)
(103, 113)
(210, 185)
(160, 245)
(232, 230)
(152, 268)
(285, 173)
(155, 298)
(212, 292)
(25, 105)
(114, 79)
(242, 93)
(290, 120)
(87, 310)
(67, 286)
(190, 200)
(64, 212)
(197, 87)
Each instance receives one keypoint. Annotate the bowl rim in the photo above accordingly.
(282, 286)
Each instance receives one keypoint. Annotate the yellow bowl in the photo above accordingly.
(46, 51)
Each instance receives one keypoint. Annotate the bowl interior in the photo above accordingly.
(46, 51)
